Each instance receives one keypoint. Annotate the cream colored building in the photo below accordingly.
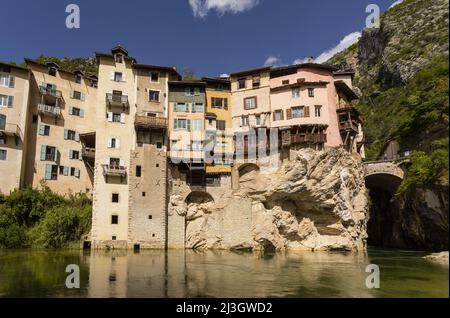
(14, 92)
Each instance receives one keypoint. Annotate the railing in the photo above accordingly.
(114, 170)
(345, 106)
(88, 153)
(349, 125)
(308, 138)
(11, 129)
(54, 110)
(151, 122)
(50, 92)
(117, 100)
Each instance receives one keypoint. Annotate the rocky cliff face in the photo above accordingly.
(317, 201)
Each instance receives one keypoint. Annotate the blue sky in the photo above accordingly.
(211, 37)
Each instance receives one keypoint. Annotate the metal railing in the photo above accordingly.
(54, 110)
(114, 170)
(50, 92)
(113, 99)
(152, 122)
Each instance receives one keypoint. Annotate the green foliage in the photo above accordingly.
(87, 65)
(41, 218)
(189, 75)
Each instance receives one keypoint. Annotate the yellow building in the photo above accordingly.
(218, 125)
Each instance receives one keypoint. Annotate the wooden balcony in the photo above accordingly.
(49, 110)
(117, 100)
(149, 122)
(114, 170)
(50, 92)
(350, 125)
(11, 130)
(308, 138)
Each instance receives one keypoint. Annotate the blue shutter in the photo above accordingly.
(11, 81)
(71, 94)
(66, 171)
(77, 172)
(77, 136)
(55, 158)
(188, 125)
(41, 130)
(70, 110)
(66, 134)
(48, 172)
(43, 149)
(81, 113)
(83, 97)
(10, 101)
(70, 154)
(175, 123)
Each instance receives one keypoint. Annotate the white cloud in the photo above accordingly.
(201, 8)
(395, 3)
(347, 41)
(224, 75)
(273, 61)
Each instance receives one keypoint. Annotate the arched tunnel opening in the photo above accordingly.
(381, 228)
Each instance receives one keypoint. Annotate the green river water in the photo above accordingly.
(41, 273)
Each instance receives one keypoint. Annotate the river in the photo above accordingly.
(41, 273)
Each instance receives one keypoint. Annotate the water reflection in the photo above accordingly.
(219, 274)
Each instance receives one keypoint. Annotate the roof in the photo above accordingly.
(31, 61)
(286, 70)
(171, 69)
(187, 83)
(216, 79)
(299, 84)
(347, 72)
(126, 57)
(341, 86)
(251, 71)
(14, 66)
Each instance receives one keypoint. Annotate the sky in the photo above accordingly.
(211, 37)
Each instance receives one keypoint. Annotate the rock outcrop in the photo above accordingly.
(317, 201)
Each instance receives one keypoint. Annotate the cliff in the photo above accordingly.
(316, 201)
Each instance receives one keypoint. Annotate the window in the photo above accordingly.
(258, 120)
(198, 124)
(153, 96)
(311, 92)
(74, 154)
(317, 111)
(76, 112)
(242, 83)
(180, 107)
(116, 117)
(114, 219)
(296, 93)
(3, 154)
(182, 124)
(7, 80)
(114, 143)
(93, 83)
(220, 124)
(219, 102)
(48, 153)
(44, 130)
(115, 198)
(2, 139)
(114, 237)
(278, 115)
(192, 91)
(34, 119)
(118, 77)
(154, 76)
(61, 170)
(158, 145)
(285, 82)
(77, 95)
(250, 103)
(138, 171)
(78, 78)
(143, 194)
(244, 121)
(298, 112)
(197, 107)
(150, 217)
(71, 135)
(51, 172)
(256, 81)
(6, 101)
(52, 71)
(118, 58)
(2, 121)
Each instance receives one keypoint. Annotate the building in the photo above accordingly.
(129, 206)
(218, 127)
(61, 107)
(14, 92)
(187, 101)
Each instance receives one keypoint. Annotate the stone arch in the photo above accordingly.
(247, 168)
(198, 197)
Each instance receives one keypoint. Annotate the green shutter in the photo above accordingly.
(10, 101)
(70, 154)
(43, 149)
(81, 113)
(196, 91)
(11, 81)
(70, 110)
(175, 123)
(48, 172)
(55, 158)
(66, 134)
(71, 94)
(77, 172)
(41, 129)
(188, 125)
(83, 97)
(66, 171)
(77, 136)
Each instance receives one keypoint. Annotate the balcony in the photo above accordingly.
(309, 138)
(50, 110)
(50, 92)
(351, 125)
(114, 170)
(11, 130)
(117, 100)
(150, 122)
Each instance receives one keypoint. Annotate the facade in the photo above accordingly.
(136, 135)
(218, 126)
(14, 92)
(61, 107)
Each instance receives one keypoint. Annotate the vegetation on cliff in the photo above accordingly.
(42, 219)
